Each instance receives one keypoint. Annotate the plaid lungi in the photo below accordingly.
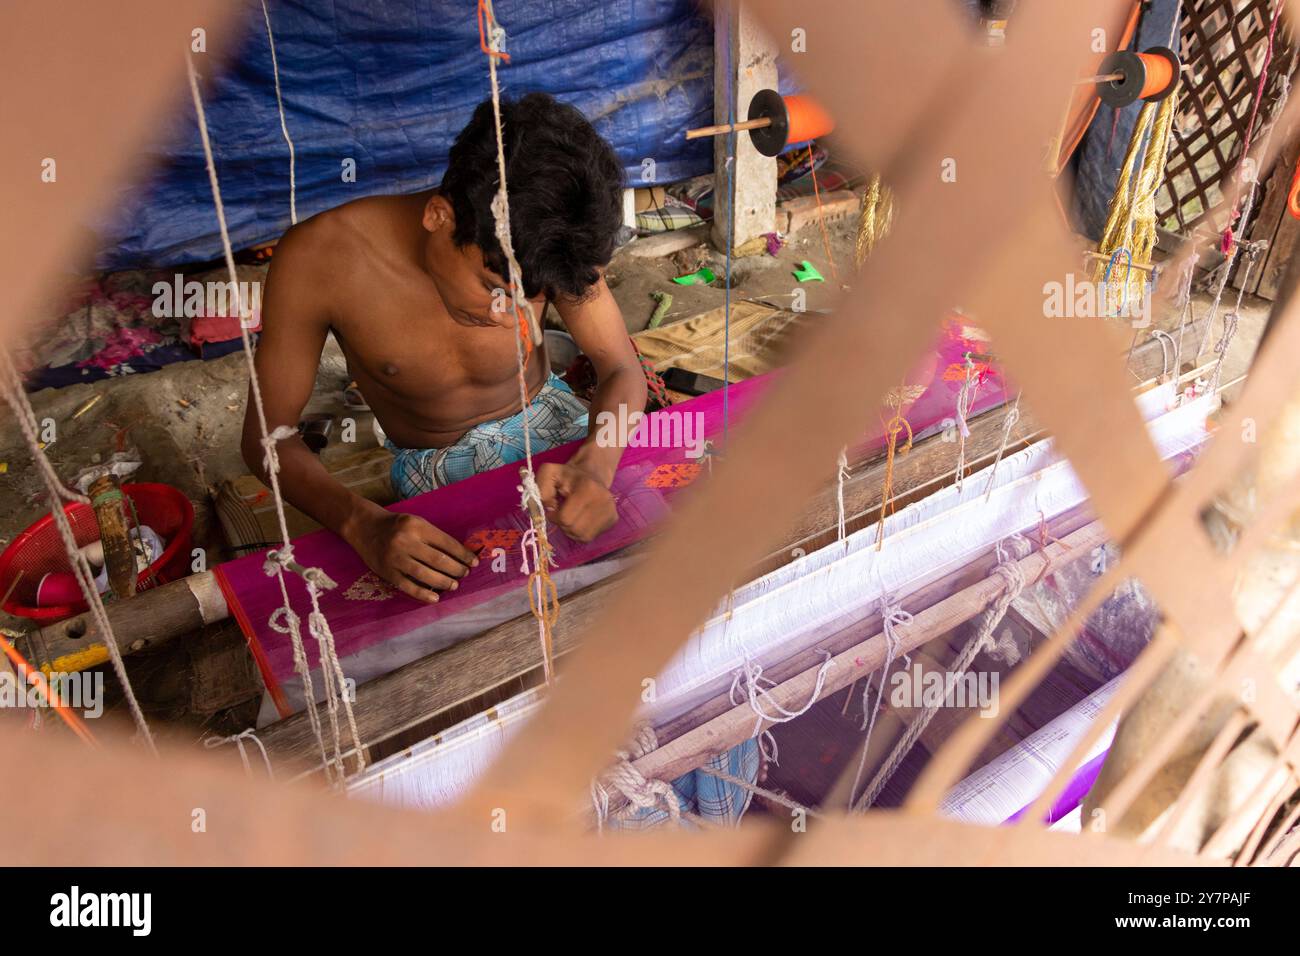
(556, 416)
(717, 801)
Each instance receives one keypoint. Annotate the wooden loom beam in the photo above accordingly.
(739, 723)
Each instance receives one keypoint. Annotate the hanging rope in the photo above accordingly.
(892, 616)
(640, 792)
(543, 596)
(1228, 244)
(11, 386)
(821, 216)
(770, 795)
(758, 695)
(1008, 569)
(841, 476)
(1009, 422)
(238, 740)
(965, 399)
(280, 559)
(284, 125)
(1258, 98)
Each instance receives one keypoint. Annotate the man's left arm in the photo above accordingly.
(576, 494)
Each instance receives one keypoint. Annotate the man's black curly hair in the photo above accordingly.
(566, 193)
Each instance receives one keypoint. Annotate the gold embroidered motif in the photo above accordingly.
(369, 587)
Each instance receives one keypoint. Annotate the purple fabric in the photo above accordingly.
(489, 503)
(1080, 783)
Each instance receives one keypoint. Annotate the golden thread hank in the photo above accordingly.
(875, 217)
(1131, 220)
(896, 426)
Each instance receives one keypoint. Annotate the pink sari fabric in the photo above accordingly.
(484, 512)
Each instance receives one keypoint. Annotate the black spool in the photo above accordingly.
(769, 140)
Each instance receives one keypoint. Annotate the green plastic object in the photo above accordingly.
(665, 302)
(807, 272)
(702, 276)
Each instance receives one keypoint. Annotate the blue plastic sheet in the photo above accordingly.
(388, 84)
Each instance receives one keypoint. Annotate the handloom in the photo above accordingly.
(1145, 510)
(794, 609)
(365, 612)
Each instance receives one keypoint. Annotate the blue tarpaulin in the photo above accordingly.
(387, 85)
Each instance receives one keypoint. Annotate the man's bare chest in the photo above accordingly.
(416, 352)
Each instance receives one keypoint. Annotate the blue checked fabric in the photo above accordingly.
(717, 801)
(556, 415)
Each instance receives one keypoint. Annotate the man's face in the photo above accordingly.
(472, 293)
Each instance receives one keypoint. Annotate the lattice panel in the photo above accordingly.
(1225, 42)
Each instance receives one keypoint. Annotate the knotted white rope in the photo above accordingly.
(238, 739)
(892, 616)
(758, 695)
(965, 398)
(284, 125)
(281, 559)
(11, 386)
(1009, 422)
(1013, 578)
(624, 779)
(779, 798)
(841, 476)
(543, 598)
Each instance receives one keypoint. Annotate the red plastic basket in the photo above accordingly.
(39, 550)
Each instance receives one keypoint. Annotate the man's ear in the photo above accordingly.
(438, 214)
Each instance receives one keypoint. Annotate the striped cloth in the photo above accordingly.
(556, 416)
(716, 801)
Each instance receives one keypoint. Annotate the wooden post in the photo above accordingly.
(744, 59)
(119, 555)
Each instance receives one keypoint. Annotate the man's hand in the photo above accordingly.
(576, 500)
(410, 554)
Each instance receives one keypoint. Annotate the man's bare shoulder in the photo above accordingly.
(334, 235)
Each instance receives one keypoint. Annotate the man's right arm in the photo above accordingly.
(403, 549)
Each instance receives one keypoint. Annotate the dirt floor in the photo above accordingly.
(184, 423)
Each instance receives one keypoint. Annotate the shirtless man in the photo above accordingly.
(408, 284)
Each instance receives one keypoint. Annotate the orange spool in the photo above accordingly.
(793, 119)
(1151, 75)
(1159, 75)
(808, 120)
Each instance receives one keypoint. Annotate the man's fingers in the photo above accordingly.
(439, 560)
(413, 590)
(439, 540)
(553, 483)
(423, 574)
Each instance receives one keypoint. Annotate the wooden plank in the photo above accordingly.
(150, 618)
(1274, 224)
